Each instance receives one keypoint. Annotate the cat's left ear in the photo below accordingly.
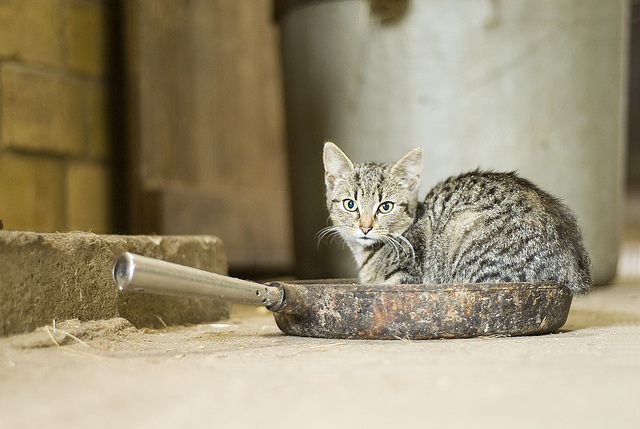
(407, 170)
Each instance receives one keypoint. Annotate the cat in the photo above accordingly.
(478, 227)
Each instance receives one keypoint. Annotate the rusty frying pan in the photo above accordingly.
(344, 309)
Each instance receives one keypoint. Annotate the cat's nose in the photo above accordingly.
(365, 229)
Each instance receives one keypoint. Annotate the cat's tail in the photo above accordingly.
(579, 279)
(574, 270)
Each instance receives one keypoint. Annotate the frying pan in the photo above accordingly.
(345, 309)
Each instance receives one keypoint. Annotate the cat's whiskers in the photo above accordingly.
(397, 241)
(331, 232)
(404, 241)
(394, 245)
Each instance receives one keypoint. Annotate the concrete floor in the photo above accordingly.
(245, 373)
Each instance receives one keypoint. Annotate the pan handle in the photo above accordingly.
(135, 273)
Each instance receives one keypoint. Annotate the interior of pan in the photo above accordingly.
(346, 309)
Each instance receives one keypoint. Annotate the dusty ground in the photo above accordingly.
(245, 373)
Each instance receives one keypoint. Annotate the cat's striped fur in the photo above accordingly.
(473, 228)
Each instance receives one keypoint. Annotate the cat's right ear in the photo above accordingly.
(407, 170)
(336, 164)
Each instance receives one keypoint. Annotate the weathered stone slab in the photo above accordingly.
(68, 275)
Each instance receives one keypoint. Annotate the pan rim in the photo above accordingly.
(353, 285)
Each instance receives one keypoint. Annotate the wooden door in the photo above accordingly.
(206, 126)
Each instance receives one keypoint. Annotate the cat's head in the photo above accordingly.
(371, 201)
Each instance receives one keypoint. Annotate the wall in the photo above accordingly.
(537, 87)
(54, 135)
(633, 152)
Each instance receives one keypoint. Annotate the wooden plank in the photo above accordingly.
(207, 126)
(189, 211)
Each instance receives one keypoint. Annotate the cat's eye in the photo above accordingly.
(385, 207)
(350, 205)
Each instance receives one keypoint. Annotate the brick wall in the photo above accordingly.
(55, 156)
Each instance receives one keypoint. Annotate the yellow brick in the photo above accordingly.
(30, 31)
(99, 136)
(84, 36)
(88, 198)
(41, 111)
(31, 193)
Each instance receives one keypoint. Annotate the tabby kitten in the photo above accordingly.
(473, 228)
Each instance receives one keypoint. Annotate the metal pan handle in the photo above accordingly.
(135, 273)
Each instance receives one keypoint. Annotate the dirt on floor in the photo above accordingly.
(244, 372)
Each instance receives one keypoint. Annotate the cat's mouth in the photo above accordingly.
(365, 240)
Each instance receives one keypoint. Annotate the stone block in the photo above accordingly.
(88, 197)
(29, 31)
(85, 46)
(48, 277)
(31, 193)
(42, 111)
